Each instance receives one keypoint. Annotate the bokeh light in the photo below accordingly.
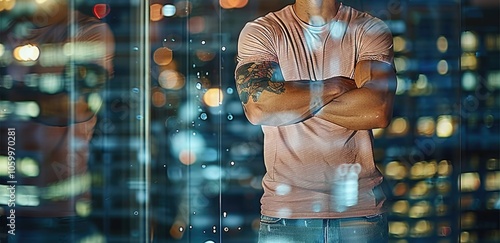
(6, 5)
(158, 98)
(445, 126)
(229, 4)
(169, 10)
(442, 44)
(26, 53)
(442, 67)
(213, 97)
(155, 12)
(469, 41)
(163, 56)
(399, 44)
(426, 126)
(171, 79)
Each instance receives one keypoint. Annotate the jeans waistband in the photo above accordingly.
(311, 222)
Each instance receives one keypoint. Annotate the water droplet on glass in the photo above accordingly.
(226, 229)
(135, 90)
(206, 73)
(230, 117)
(232, 163)
(203, 166)
(194, 212)
(239, 228)
(136, 213)
(139, 117)
(198, 85)
(230, 90)
(194, 133)
(181, 229)
(203, 42)
(224, 214)
(223, 48)
(136, 48)
(203, 116)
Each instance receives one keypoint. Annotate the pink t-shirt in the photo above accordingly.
(314, 168)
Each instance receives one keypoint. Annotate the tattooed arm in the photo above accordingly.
(368, 107)
(269, 100)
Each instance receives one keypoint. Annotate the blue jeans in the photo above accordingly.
(345, 230)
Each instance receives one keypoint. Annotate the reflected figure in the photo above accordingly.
(318, 75)
(53, 63)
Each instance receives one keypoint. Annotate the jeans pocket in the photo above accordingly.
(269, 220)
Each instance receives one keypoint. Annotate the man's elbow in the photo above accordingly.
(253, 114)
(382, 119)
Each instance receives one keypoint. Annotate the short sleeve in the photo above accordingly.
(376, 42)
(255, 43)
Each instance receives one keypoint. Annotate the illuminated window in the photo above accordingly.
(445, 126)
(420, 209)
(399, 44)
(492, 181)
(468, 61)
(442, 44)
(398, 127)
(469, 181)
(469, 41)
(426, 126)
(395, 170)
(401, 207)
(398, 229)
(422, 228)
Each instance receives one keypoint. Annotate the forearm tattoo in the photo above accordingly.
(254, 78)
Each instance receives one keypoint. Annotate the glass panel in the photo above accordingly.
(74, 121)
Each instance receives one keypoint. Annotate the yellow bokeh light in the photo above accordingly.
(7, 5)
(442, 44)
(26, 53)
(163, 56)
(469, 41)
(213, 97)
(399, 126)
(445, 126)
(158, 98)
(469, 182)
(228, 4)
(426, 126)
(205, 56)
(171, 79)
(468, 61)
(399, 44)
(155, 12)
(442, 67)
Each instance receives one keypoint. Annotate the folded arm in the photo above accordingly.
(370, 105)
(269, 100)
